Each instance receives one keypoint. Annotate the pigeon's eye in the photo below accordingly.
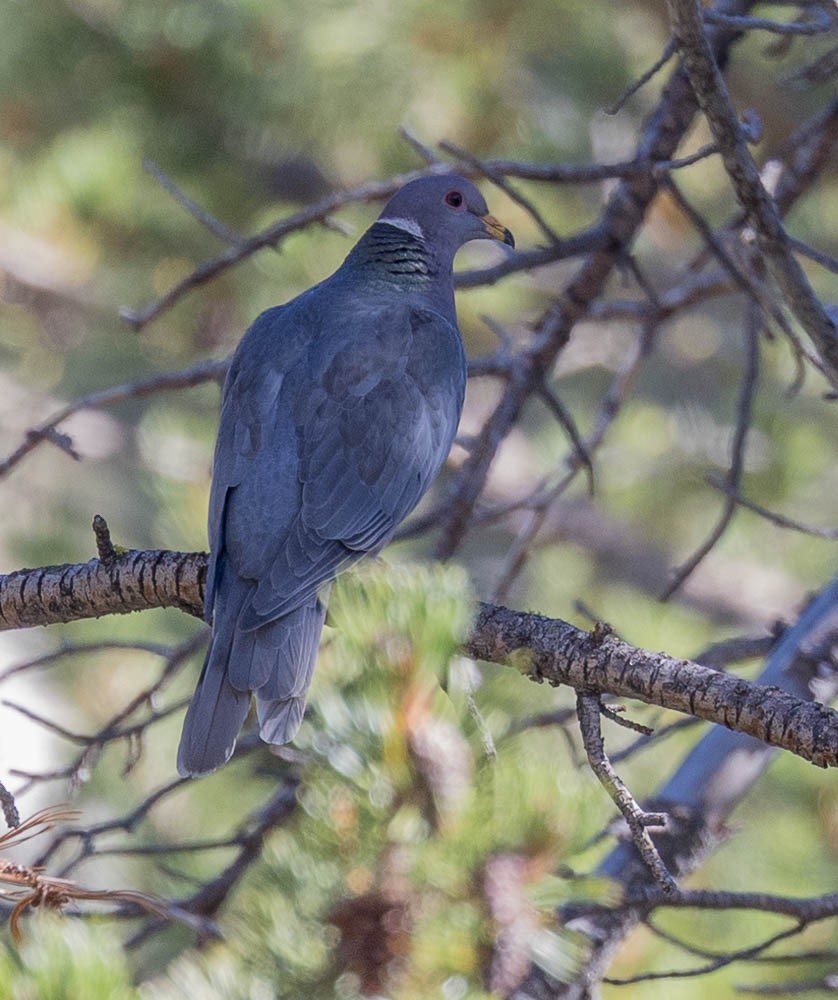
(454, 199)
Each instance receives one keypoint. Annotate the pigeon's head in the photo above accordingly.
(444, 212)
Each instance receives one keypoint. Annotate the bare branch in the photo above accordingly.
(425, 153)
(249, 839)
(135, 581)
(205, 371)
(825, 260)
(104, 545)
(669, 51)
(737, 464)
(830, 534)
(738, 955)
(540, 648)
(552, 650)
(216, 227)
(818, 24)
(588, 709)
(623, 215)
(760, 209)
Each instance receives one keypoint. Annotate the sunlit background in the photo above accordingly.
(254, 109)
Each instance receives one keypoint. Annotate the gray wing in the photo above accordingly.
(320, 459)
(328, 438)
(254, 451)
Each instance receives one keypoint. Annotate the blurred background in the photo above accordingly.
(255, 109)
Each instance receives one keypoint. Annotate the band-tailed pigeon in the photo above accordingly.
(338, 411)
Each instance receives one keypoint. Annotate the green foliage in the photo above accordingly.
(65, 959)
(401, 813)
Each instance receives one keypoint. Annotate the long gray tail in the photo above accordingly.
(275, 661)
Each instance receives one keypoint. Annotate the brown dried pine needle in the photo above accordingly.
(26, 886)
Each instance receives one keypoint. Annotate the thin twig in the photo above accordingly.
(668, 52)
(83, 649)
(745, 281)
(104, 545)
(737, 464)
(613, 715)
(426, 154)
(588, 708)
(205, 371)
(740, 955)
(568, 424)
(830, 534)
(760, 208)
(818, 256)
(819, 24)
(216, 227)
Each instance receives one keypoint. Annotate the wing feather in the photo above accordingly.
(321, 458)
(336, 416)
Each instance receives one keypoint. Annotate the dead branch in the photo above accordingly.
(204, 371)
(760, 209)
(588, 709)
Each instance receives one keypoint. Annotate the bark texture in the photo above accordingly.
(543, 649)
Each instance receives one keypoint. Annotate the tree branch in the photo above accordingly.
(134, 581)
(540, 648)
(204, 371)
(588, 708)
(760, 209)
(553, 650)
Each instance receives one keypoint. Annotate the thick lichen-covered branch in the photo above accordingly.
(543, 649)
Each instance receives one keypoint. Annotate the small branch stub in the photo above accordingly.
(9, 807)
(104, 545)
